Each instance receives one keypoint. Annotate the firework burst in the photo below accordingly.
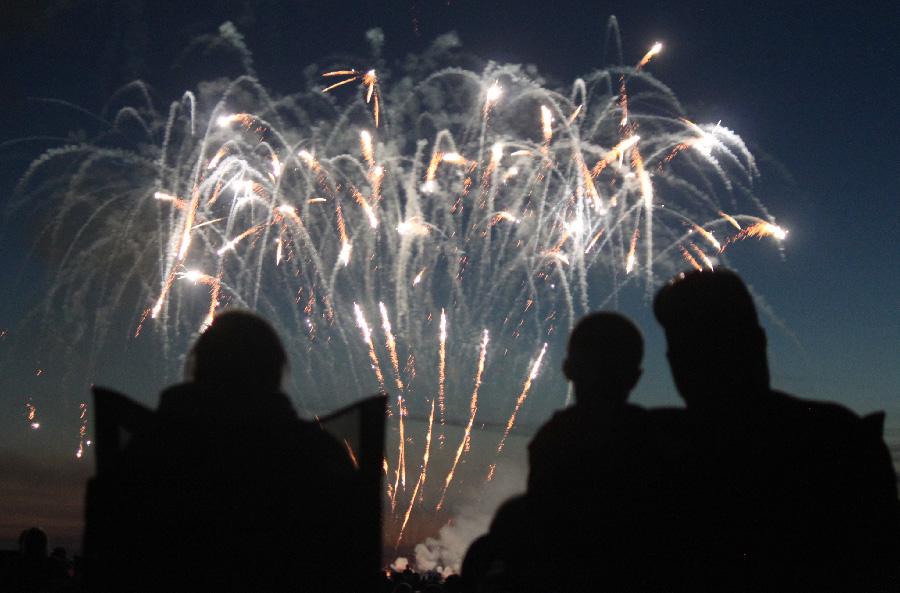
(486, 204)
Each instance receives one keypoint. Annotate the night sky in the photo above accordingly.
(812, 88)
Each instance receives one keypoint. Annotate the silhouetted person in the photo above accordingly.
(597, 488)
(603, 362)
(778, 493)
(232, 490)
(33, 571)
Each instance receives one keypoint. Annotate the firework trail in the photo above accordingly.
(521, 399)
(442, 364)
(473, 409)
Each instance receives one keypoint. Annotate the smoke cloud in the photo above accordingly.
(445, 552)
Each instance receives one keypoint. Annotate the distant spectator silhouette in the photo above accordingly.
(32, 570)
(779, 494)
(597, 487)
(232, 490)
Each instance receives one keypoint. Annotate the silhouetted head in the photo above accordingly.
(239, 351)
(33, 543)
(604, 357)
(716, 347)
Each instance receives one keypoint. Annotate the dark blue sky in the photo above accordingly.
(811, 86)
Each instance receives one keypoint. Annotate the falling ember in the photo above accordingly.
(367, 338)
(574, 115)
(630, 259)
(401, 445)
(309, 159)
(82, 430)
(245, 119)
(344, 256)
(442, 364)
(616, 153)
(164, 197)
(767, 229)
(759, 230)
(454, 158)
(496, 153)
(231, 244)
(731, 220)
(657, 47)
(521, 399)
(422, 476)
(503, 215)
(369, 80)
(546, 124)
(214, 162)
(31, 416)
(493, 94)
(351, 454)
(708, 236)
(391, 345)
(702, 255)
(365, 145)
(690, 259)
(197, 277)
(289, 212)
(277, 167)
(473, 409)
(593, 241)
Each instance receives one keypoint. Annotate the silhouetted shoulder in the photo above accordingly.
(822, 411)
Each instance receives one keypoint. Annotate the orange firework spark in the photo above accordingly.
(708, 236)
(731, 220)
(630, 259)
(442, 364)
(31, 416)
(367, 338)
(657, 47)
(690, 259)
(521, 399)
(82, 430)
(702, 255)
(174, 200)
(231, 244)
(185, 241)
(344, 255)
(493, 94)
(759, 230)
(391, 344)
(369, 80)
(546, 124)
(352, 455)
(593, 241)
(422, 476)
(365, 146)
(574, 115)
(367, 208)
(473, 409)
(616, 153)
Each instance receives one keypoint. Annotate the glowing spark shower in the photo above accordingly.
(485, 205)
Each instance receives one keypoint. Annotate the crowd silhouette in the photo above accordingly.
(745, 488)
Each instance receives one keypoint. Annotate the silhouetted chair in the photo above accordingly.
(117, 419)
(360, 428)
